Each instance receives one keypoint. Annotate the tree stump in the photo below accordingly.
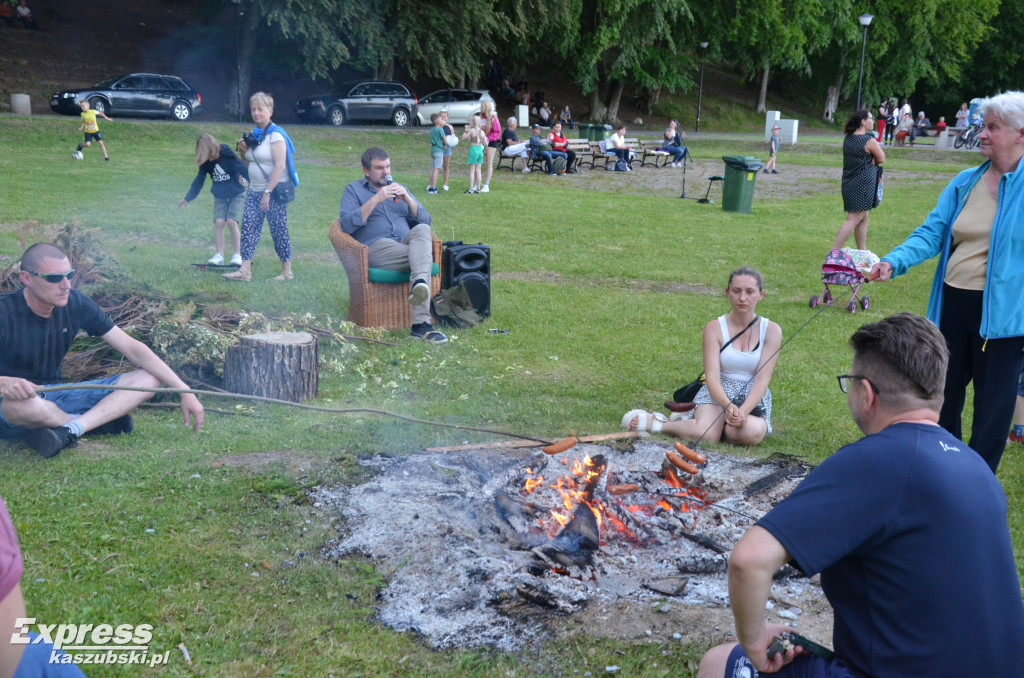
(280, 365)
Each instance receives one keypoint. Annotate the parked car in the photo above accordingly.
(461, 104)
(142, 94)
(370, 100)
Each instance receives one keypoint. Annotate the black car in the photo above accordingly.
(141, 94)
(371, 100)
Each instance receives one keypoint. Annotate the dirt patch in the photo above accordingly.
(792, 181)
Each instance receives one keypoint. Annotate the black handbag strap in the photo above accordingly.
(740, 333)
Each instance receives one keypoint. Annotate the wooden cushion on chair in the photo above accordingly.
(372, 303)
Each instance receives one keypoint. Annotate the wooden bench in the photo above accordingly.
(599, 155)
(649, 149)
(512, 158)
(581, 147)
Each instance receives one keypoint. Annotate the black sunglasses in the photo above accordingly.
(51, 277)
(844, 382)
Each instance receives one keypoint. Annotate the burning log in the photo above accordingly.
(705, 541)
(771, 480)
(539, 596)
(703, 564)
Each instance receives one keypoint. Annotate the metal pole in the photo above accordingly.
(865, 21)
(860, 78)
(238, 64)
(700, 91)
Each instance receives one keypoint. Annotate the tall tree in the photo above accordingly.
(609, 43)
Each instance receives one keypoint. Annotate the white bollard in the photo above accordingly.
(21, 104)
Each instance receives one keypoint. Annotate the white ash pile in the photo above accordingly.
(481, 548)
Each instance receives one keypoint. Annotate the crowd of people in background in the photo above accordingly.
(897, 124)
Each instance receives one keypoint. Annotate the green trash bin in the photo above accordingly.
(584, 130)
(740, 178)
(604, 132)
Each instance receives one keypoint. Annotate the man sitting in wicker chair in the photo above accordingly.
(395, 228)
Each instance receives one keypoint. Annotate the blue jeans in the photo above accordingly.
(678, 152)
(72, 401)
(35, 662)
(547, 160)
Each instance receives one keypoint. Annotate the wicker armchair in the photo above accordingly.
(374, 304)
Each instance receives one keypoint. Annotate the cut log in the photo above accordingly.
(280, 365)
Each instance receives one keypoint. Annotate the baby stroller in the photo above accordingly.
(839, 269)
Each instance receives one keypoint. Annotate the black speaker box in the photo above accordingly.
(470, 264)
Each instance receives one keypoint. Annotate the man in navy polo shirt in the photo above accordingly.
(907, 527)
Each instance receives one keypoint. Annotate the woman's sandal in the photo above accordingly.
(283, 276)
(643, 418)
(237, 276)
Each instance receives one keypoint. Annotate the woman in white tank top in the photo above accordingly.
(737, 377)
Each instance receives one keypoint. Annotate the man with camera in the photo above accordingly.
(37, 326)
(907, 527)
(395, 228)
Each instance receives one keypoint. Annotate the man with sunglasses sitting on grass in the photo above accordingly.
(37, 326)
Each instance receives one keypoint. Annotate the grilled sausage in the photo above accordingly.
(681, 463)
(695, 457)
(560, 446)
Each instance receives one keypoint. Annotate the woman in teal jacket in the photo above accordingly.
(977, 297)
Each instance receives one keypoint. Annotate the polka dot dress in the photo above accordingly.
(859, 174)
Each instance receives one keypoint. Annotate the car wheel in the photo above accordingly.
(336, 116)
(99, 105)
(181, 111)
(400, 117)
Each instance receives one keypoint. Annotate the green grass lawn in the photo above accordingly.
(603, 285)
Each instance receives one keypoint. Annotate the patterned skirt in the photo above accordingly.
(737, 392)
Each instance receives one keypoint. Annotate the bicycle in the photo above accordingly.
(968, 138)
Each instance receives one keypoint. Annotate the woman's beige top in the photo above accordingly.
(972, 232)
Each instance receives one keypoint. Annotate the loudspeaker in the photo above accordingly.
(470, 264)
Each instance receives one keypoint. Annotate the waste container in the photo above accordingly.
(585, 130)
(740, 178)
(604, 131)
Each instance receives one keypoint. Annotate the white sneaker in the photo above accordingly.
(526, 170)
(236, 259)
(485, 189)
(217, 259)
(445, 187)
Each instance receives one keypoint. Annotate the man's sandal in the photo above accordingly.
(645, 421)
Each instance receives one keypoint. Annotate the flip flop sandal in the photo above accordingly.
(643, 417)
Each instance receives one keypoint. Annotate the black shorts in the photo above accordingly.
(804, 666)
(493, 144)
(92, 136)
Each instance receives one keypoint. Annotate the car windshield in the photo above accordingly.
(105, 84)
(344, 88)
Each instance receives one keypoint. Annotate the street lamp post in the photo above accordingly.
(700, 90)
(865, 21)
(238, 63)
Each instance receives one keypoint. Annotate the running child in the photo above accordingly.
(92, 130)
(477, 139)
(227, 172)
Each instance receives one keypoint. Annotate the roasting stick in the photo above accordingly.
(302, 406)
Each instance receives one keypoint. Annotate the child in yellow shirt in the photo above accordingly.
(92, 130)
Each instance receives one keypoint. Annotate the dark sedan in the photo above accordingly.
(138, 94)
(370, 100)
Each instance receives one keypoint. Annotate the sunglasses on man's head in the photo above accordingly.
(51, 277)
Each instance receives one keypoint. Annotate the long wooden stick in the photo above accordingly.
(513, 444)
(276, 401)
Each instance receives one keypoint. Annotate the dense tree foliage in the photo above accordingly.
(607, 46)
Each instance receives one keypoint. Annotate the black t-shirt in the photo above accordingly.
(508, 137)
(34, 347)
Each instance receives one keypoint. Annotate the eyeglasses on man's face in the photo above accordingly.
(844, 382)
(51, 277)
